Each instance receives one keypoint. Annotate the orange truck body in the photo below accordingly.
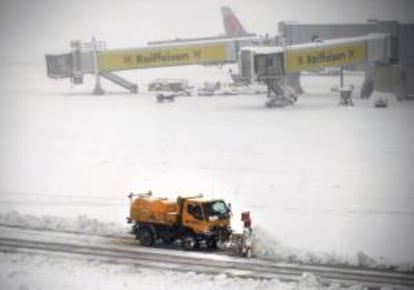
(158, 210)
(191, 220)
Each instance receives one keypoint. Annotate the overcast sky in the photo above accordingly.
(29, 27)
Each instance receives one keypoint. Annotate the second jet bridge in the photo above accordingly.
(272, 64)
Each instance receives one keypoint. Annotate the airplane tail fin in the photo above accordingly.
(231, 24)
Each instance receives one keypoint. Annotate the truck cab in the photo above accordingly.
(205, 216)
(204, 222)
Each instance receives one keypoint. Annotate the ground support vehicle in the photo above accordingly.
(192, 222)
(165, 97)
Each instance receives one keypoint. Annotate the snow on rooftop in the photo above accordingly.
(338, 41)
(317, 44)
(263, 49)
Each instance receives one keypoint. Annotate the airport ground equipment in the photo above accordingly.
(194, 222)
(271, 64)
(179, 87)
(166, 96)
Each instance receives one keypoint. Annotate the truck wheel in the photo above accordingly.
(212, 243)
(145, 236)
(189, 243)
(168, 239)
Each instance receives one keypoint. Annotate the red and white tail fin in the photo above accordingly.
(231, 24)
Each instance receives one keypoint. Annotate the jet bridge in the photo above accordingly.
(94, 58)
(271, 64)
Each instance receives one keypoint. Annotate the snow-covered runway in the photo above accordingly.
(125, 251)
(324, 183)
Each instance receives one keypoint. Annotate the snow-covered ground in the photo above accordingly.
(324, 183)
(24, 272)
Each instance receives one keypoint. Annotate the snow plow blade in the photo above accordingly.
(240, 244)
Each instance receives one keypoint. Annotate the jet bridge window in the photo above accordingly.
(59, 66)
(269, 65)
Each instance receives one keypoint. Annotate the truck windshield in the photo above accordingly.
(216, 210)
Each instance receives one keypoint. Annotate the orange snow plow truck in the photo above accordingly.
(192, 222)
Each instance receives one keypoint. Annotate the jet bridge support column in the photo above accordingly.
(292, 80)
(98, 87)
(390, 79)
(368, 84)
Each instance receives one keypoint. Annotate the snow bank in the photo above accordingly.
(82, 224)
(23, 272)
(267, 247)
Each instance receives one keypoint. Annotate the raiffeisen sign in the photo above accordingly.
(114, 60)
(312, 58)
